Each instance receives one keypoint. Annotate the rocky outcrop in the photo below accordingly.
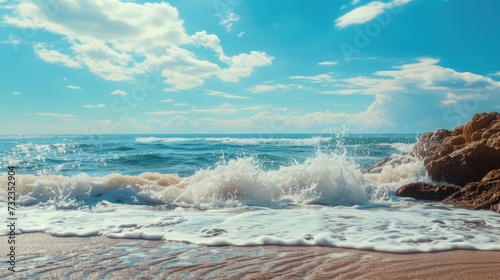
(480, 195)
(424, 191)
(468, 156)
(465, 154)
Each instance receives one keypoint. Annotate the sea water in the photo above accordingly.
(240, 190)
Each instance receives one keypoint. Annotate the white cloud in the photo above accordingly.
(118, 40)
(341, 91)
(16, 93)
(321, 78)
(63, 117)
(119, 92)
(53, 56)
(240, 34)
(210, 41)
(343, 7)
(453, 98)
(282, 120)
(94, 106)
(228, 20)
(225, 95)
(167, 100)
(328, 63)
(163, 113)
(354, 2)
(424, 75)
(242, 65)
(367, 12)
(181, 104)
(227, 108)
(223, 109)
(74, 87)
(274, 87)
(11, 41)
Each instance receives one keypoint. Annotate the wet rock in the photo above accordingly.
(480, 195)
(425, 191)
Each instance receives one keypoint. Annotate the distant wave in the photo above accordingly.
(314, 141)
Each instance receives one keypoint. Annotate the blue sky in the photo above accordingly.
(237, 66)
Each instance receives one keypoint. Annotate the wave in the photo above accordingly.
(325, 179)
(313, 141)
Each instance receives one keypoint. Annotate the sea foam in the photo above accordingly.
(326, 179)
(326, 200)
(313, 141)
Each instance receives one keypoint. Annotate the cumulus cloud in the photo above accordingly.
(118, 40)
(74, 87)
(167, 100)
(367, 12)
(283, 120)
(425, 75)
(243, 65)
(16, 93)
(53, 56)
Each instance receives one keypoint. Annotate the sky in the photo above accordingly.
(241, 66)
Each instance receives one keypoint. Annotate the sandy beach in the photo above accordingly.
(41, 256)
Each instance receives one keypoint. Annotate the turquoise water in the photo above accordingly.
(237, 190)
(183, 154)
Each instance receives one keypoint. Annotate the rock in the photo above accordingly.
(494, 140)
(478, 121)
(493, 175)
(456, 140)
(424, 191)
(480, 195)
(466, 165)
(429, 141)
(459, 130)
(465, 154)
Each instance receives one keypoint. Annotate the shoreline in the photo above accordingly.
(42, 255)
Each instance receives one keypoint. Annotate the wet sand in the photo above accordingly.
(41, 256)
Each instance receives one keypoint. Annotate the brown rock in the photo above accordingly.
(424, 191)
(429, 141)
(478, 121)
(494, 140)
(459, 130)
(493, 175)
(466, 165)
(456, 140)
(480, 195)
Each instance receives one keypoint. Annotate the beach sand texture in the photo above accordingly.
(41, 256)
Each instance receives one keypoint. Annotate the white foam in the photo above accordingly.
(313, 141)
(324, 201)
(417, 228)
(326, 179)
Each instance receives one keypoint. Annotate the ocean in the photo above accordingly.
(238, 190)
